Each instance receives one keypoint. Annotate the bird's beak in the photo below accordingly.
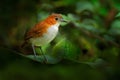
(62, 20)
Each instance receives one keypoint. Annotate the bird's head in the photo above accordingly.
(54, 18)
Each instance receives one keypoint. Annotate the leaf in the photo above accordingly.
(66, 18)
(118, 15)
(50, 59)
(98, 63)
(115, 29)
(85, 5)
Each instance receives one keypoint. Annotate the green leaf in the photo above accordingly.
(41, 58)
(115, 29)
(118, 15)
(85, 5)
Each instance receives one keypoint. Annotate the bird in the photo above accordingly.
(43, 32)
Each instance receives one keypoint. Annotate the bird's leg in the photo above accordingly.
(33, 47)
(43, 54)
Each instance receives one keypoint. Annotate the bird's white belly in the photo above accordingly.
(46, 37)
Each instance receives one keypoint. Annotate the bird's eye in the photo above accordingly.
(56, 18)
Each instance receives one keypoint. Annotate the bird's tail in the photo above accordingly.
(24, 44)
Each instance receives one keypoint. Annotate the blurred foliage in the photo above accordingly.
(88, 47)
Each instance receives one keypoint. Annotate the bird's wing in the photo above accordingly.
(36, 31)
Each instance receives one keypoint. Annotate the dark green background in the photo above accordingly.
(86, 48)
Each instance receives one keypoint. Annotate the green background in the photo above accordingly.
(86, 48)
